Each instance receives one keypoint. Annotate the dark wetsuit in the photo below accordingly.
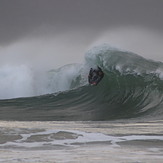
(95, 76)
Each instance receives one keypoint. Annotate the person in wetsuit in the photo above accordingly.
(95, 76)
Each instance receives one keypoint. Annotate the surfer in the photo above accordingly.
(95, 76)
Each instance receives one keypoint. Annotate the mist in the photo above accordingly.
(24, 64)
(49, 51)
(37, 36)
(142, 41)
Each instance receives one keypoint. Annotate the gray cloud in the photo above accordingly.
(19, 18)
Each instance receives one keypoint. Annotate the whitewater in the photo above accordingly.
(56, 116)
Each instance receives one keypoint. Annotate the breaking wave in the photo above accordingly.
(132, 88)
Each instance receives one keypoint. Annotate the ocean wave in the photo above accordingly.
(132, 88)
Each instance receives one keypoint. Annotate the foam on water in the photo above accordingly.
(77, 137)
(81, 141)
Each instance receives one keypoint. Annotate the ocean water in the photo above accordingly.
(59, 117)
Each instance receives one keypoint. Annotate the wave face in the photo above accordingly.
(132, 88)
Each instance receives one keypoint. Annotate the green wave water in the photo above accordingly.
(132, 88)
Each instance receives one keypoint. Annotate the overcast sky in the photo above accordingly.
(132, 24)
